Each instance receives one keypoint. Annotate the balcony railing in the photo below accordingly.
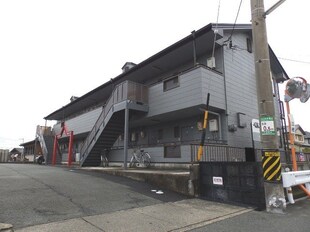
(216, 153)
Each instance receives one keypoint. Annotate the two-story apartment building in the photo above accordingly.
(155, 105)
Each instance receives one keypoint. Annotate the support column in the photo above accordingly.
(54, 151)
(126, 136)
(70, 148)
(194, 48)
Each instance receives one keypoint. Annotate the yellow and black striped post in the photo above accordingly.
(271, 165)
(204, 130)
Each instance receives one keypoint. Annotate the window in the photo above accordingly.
(133, 137)
(171, 83)
(172, 151)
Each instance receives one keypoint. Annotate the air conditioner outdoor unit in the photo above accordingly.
(211, 62)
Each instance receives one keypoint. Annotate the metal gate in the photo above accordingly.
(234, 182)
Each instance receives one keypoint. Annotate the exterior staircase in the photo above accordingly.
(46, 139)
(110, 123)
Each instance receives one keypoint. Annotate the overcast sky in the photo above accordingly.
(51, 50)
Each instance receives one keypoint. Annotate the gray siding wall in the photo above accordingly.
(193, 89)
(189, 134)
(82, 123)
(241, 89)
(214, 84)
(157, 154)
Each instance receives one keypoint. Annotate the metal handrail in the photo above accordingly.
(40, 137)
(126, 90)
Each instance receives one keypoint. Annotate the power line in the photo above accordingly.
(9, 139)
(233, 29)
(297, 61)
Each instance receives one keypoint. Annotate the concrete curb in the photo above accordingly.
(174, 180)
(6, 227)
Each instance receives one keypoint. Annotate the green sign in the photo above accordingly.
(267, 125)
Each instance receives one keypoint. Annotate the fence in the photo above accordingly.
(300, 157)
(238, 182)
(220, 153)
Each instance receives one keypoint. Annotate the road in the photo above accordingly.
(295, 219)
(33, 194)
(44, 198)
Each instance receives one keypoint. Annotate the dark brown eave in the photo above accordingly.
(276, 67)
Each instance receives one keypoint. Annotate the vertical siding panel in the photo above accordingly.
(241, 89)
(82, 123)
(193, 89)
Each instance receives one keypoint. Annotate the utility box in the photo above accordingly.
(211, 62)
(213, 126)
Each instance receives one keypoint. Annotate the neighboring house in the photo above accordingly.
(301, 143)
(31, 148)
(306, 145)
(41, 145)
(307, 138)
(158, 101)
(16, 154)
(299, 140)
(299, 137)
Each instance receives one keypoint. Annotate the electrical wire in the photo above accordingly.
(9, 139)
(233, 29)
(297, 61)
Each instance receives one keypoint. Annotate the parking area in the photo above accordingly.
(36, 194)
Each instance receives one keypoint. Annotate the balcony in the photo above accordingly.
(191, 90)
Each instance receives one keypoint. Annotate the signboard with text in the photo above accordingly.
(267, 125)
(217, 180)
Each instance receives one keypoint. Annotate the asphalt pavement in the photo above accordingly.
(37, 194)
(43, 198)
(295, 219)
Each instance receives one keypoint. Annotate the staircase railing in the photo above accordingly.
(41, 131)
(126, 90)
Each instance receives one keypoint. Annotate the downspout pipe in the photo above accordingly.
(194, 48)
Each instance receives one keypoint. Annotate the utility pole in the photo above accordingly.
(274, 193)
